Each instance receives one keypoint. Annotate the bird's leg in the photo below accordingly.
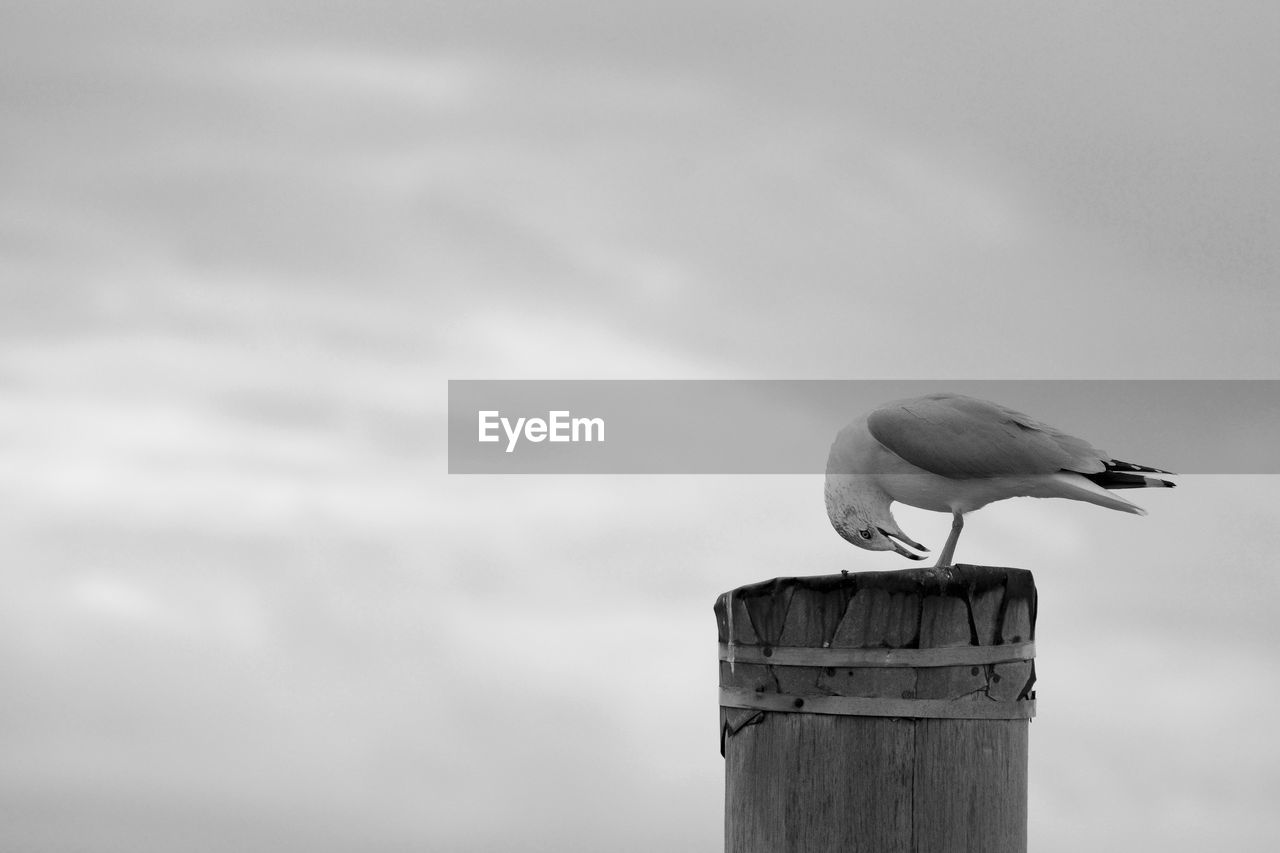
(957, 524)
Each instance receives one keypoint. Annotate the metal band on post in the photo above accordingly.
(974, 706)
(855, 706)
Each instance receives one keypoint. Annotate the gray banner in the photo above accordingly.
(787, 426)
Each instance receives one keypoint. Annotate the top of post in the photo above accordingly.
(909, 609)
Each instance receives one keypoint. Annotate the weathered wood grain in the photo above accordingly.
(789, 785)
(970, 786)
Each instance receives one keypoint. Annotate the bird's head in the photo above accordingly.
(865, 533)
(862, 516)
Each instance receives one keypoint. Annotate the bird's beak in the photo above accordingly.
(904, 552)
(899, 549)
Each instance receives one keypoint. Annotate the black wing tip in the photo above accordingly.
(1117, 465)
(1122, 480)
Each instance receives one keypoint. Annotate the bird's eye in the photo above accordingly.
(865, 534)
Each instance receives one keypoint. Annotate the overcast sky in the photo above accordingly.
(242, 249)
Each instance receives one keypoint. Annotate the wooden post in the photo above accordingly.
(878, 712)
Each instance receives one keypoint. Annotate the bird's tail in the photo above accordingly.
(1081, 487)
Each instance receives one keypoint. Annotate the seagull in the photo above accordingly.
(952, 453)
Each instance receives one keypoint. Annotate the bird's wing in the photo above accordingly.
(962, 437)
